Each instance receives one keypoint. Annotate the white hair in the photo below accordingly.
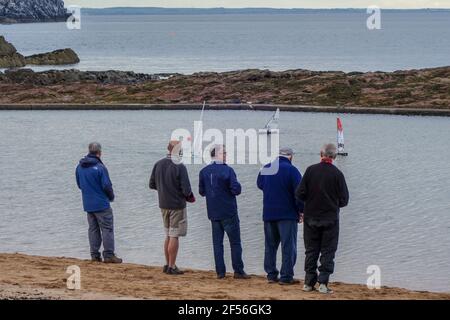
(329, 150)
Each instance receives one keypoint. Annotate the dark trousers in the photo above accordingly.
(232, 228)
(321, 240)
(101, 229)
(284, 232)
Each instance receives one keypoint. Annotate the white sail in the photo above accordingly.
(340, 138)
(273, 123)
(197, 150)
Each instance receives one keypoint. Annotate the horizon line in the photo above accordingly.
(270, 8)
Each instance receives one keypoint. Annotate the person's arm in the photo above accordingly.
(296, 178)
(152, 183)
(201, 184)
(235, 186)
(301, 192)
(185, 184)
(343, 192)
(107, 184)
(260, 181)
(77, 177)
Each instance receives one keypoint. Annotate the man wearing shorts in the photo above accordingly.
(170, 178)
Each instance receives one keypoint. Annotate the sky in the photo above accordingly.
(401, 4)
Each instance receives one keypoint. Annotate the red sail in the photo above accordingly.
(339, 124)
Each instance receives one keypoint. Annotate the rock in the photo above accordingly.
(12, 11)
(52, 77)
(9, 57)
(58, 57)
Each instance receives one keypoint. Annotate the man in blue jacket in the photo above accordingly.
(97, 192)
(281, 215)
(218, 183)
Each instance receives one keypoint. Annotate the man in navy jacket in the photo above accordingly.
(218, 183)
(281, 215)
(97, 192)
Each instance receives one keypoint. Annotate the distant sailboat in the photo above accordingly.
(340, 138)
(197, 150)
(273, 123)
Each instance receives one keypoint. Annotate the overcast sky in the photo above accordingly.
(404, 4)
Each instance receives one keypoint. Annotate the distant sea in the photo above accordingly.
(187, 43)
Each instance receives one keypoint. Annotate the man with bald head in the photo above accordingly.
(170, 178)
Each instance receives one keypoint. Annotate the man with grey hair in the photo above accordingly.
(218, 183)
(324, 191)
(281, 215)
(97, 192)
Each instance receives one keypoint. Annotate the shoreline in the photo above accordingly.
(256, 107)
(36, 277)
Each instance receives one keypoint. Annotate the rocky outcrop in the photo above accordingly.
(425, 89)
(13, 11)
(58, 57)
(55, 77)
(10, 58)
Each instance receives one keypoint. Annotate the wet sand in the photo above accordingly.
(34, 277)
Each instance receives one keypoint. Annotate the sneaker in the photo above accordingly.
(96, 259)
(220, 276)
(307, 288)
(289, 283)
(242, 276)
(323, 288)
(165, 268)
(174, 271)
(113, 259)
(272, 281)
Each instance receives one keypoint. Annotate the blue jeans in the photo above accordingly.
(284, 232)
(101, 229)
(232, 229)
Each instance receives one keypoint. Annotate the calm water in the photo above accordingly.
(187, 44)
(397, 172)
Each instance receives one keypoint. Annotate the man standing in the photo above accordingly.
(170, 178)
(281, 215)
(218, 183)
(97, 192)
(324, 191)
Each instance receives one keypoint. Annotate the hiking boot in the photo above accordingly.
(241, 276)
(272, 281)
(166, 269)
(174, 271)
(323, 288)
(307, 288)
(96, 259)
(220, 276)
(289, 283)
(112, 259)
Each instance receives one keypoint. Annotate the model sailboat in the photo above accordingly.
(340, 139)
(197, 150)
(273, 123)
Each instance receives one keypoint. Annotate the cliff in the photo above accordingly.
(12, 11)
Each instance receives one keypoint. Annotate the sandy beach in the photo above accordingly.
(34, 277)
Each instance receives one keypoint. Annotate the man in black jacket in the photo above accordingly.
(170, 178)
(324, 191)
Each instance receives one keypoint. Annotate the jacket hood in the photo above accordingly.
(90, 161)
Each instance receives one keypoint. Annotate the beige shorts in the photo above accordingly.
(175, 222)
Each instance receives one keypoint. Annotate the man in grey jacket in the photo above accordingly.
(170, 178)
